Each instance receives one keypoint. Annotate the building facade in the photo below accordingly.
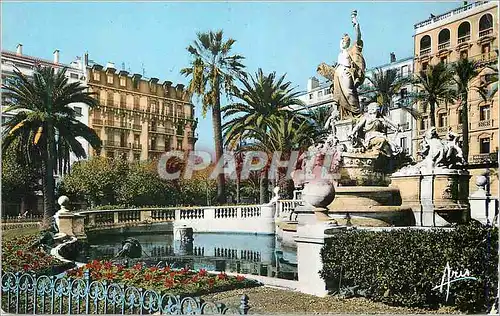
(319, 95)
(75, 73)
(470, 32)
(139, 118)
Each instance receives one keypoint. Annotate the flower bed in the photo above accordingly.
(16, 257)
(183, 282)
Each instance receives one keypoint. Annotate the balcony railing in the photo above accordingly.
(442, 129)
(482, 124)
(463, 39)
(443, 45)
(449, 14)
(137, 127)
(486, 57)
(158, 129)
(97, 121)
(484, 158)
(157, 148)
(113, 143)
(485, 32)
(137, 146)
(424, 52)
(405, 126)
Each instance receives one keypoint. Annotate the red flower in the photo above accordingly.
(166, 269)
(119, 267)
(108, 265)
(26, 267)
(128, 275)
(148, 277)
(19, 253)
(222, 276)
(168, 283)
(137, 267)
(211, 282)
(202, 272)
(240, 278)
(194, 279)
(184, 270)
(153, 269)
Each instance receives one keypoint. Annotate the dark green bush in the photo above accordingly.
(401, 267)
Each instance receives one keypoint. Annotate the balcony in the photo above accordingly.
(137, 127)
(481, 159)
(136, 146)
(158, 130)
(157, 149)
(463, 39)
(442, 129)
(485, 58)
(486, 32)
(424, 52)
(484, 124)
(113, 143)
(404, 126)
(443, 45)
(97, 121)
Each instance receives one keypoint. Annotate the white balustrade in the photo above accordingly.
(245, 218)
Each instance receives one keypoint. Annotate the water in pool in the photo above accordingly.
(239, 253)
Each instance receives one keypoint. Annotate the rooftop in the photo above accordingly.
(434, 19)
(31, 59)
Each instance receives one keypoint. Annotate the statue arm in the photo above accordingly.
(391, 124)
(357, 30)
(357, 126)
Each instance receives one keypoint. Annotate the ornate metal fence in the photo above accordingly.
(29, 294)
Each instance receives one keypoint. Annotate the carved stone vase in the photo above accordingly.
(319, 194)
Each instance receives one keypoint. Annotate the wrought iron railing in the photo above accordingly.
(484, 158)
(425, 51)
(23, 293)
(443, 45)
(463, 39)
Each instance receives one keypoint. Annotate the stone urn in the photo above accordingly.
(319, 194)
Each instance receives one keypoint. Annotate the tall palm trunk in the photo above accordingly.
(217, 123)
(48, 177)
(465, 126)
(432, 113)
(264, 186)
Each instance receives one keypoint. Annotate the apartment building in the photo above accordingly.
(319, 95)
(470, 31)
(25, 64)
(139, 118)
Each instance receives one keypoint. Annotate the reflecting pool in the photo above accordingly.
(239, 253)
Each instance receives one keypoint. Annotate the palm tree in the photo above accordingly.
(261, 99)
(44, 127)
(465, 71)
(212, 71)
(435, 85)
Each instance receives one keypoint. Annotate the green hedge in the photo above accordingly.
(400, 267)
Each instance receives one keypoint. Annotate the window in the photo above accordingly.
(137, 157)
(153, 88)
(485, 23)
(110, 154)
(403, 93)
(425, 45)
(444, 59)
(137, 105)
(484, 145)
(123, 100)
(463, 32)
(320, 94)
(484, 113)
(423, 124)
(442, 119)
(464, 54)
(110, 99)
(73, 76)
(123, 81)
(97, 75)
(110, 79)
(327, 91)
(153, 143)
(404, 70)
(403, 143)
(424, 66)
(310, 96)
(123, 139)
(78, 111)
(444, 38)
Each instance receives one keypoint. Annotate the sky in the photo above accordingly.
(289, 38)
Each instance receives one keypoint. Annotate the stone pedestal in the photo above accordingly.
(71, 224)
(312, 223)
(438, 197)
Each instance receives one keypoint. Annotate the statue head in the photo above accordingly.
(373, 108)
(345, 42)
(431, 133)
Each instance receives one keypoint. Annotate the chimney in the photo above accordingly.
(393, 57)
(19, 49)
(56, 56)
(86, 59)
(312, 83)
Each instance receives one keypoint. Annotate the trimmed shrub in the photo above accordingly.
(401, 267)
